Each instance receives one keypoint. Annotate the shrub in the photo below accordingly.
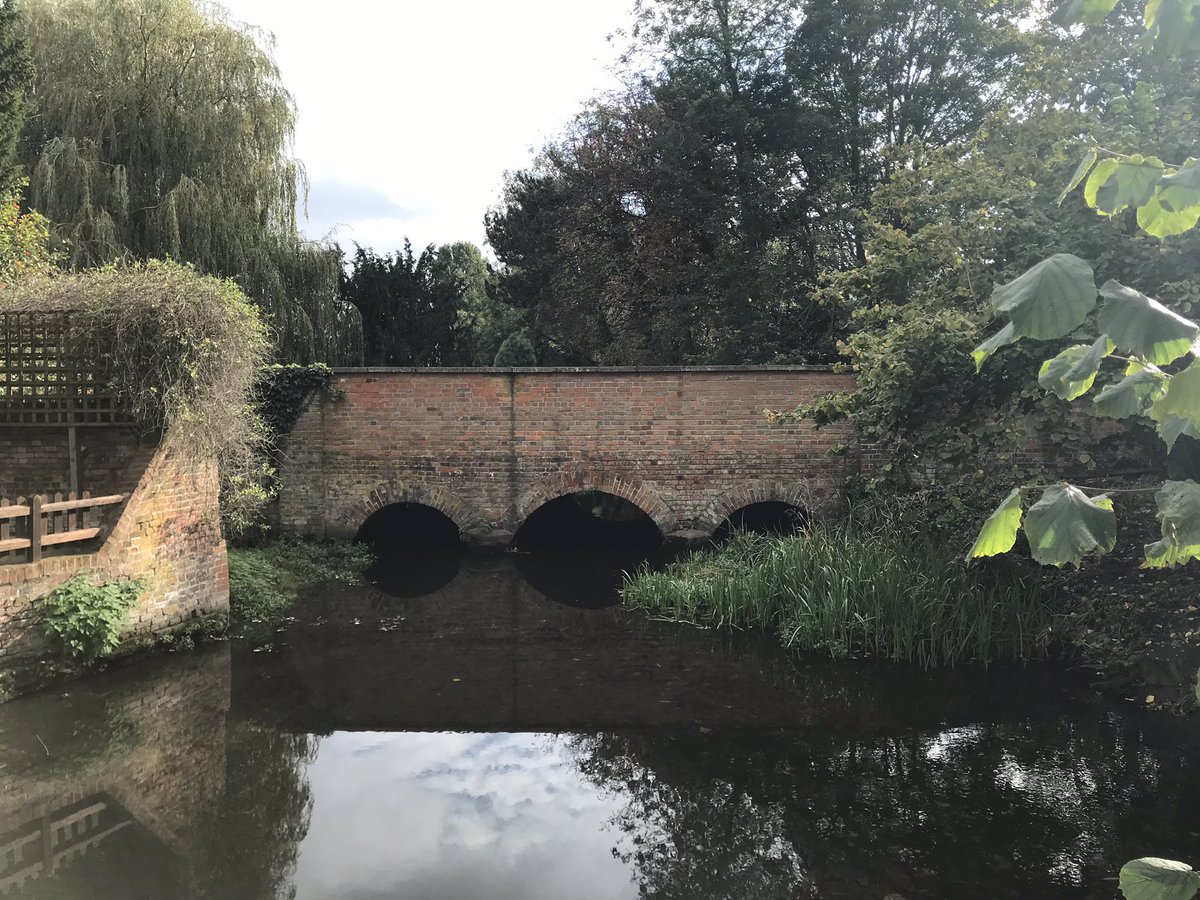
(846, 593)
(259, 588)
(24, 241)
(86, 619)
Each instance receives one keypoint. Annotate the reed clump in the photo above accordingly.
(837, 590)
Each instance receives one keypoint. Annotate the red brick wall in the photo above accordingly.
(689, 446)
(37, 460)
(168, 533)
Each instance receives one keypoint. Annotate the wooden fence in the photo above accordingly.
(28, 527)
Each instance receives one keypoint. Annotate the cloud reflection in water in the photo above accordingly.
(448, 815)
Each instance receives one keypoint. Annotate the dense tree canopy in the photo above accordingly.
(977, 214)
(16, 74)
(160, 128)
(686, 219)
(483, 322)
(24, 234)
(428, 309)
(409, 315)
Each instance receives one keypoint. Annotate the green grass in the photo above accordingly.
(838, 591)
(264, 582)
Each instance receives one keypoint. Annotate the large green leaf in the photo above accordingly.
(1141, 326)
(1181, 189)
(1131, 183)
(1081, 171)
(1154, 219)
(1072, 373)
(1177, 411)
(1001, 338)
(1179, 513)
(1158, 879)
(1049, 300)
(1087, 12)
(1099, 177)
(1172, 428)
(1171, 25)
(1065, 525)
(1133, 395)
(999, 532)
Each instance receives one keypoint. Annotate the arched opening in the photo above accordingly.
(417, 549)
(592, 518)
(766, 517)
(575, 549)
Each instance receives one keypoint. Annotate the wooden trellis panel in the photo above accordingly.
(48, 376)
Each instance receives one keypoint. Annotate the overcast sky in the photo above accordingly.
(410, 112)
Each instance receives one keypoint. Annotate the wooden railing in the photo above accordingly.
(28, 527)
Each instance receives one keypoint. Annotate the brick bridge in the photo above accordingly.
(487, 447)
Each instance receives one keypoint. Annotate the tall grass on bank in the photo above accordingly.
(835, 590)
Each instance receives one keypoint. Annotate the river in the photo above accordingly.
(493, 726)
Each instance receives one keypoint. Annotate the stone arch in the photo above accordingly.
(394, 491)
(619, 486)
(814, 498)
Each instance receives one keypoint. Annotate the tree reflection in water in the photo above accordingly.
(729, 770)
(262, 817)
(1015, 810)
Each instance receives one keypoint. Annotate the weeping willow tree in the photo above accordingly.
(16, 73)
(161, 128)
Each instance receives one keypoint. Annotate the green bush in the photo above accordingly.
(259, 589)
(836, 590)
(264, 582)
(516, 351)
(86, 619)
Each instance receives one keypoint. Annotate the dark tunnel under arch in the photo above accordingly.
(574, 548)
(763, 517)
(418, 549)
(588, 518)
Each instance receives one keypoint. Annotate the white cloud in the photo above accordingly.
(421, 107)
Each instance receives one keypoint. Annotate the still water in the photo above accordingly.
(493, 727)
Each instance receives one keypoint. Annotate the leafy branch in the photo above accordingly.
(1160, 382)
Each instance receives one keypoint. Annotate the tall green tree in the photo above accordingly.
(16, 74)
(409, 314)
(878, 75)
(1143, 355)
(483, 321)
(687, 218)
(160, 128)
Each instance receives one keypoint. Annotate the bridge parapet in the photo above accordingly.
(487, 447)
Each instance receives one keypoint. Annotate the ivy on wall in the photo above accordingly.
(284, 391)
